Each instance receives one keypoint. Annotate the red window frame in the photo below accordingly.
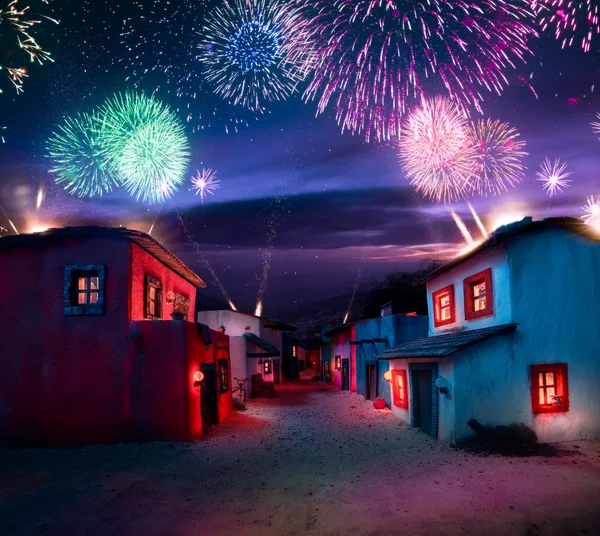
(400, 394)
(561, 387)
(437, 317)
(468, 284)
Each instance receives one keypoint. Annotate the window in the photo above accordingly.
(83, 291)
(153, 309)
(479, 298)
(338, 362)
(181, 304)
(443, 306)
(294, 351)
(267, 367)
(223, 375)
(399, 389)
(549, 388)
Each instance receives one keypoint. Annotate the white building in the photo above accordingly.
(514, 337)
(256, 344)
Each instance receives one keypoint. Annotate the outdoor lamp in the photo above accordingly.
(388, 376)
(198, 377)
(170, 297)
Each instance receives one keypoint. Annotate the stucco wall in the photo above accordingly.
(340, 345)
(446, 403)
(234, 322)
(556, 297)
(496, 259)
(142, 264)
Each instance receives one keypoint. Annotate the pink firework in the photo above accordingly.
(499, 158)
(596, 125)
(374, 59)
(438, 152)
(205, 182)
(572, 22)
(591, 210)
(554, 176)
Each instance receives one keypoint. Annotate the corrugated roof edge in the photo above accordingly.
(504, 233)
(143, 240)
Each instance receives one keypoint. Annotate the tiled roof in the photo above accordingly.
(145, 241)
(446, 344)
(269, 349)
(506, 232)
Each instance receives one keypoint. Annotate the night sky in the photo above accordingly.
(329, 203)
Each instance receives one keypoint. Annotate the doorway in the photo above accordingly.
(371, 380)
(325, 371)
(345, 374)
(424, 399)
(276, 372)
(208, 397)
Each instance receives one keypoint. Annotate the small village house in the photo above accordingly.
(353, 349)
(258, 345)
(514, 337)
(99, 343)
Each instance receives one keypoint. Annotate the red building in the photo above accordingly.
(98, 341)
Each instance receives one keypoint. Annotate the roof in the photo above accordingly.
(269, 349)
(276, 324)
(446, 344)
(506, 232)
(143, 240)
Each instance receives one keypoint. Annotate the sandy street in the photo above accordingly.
(312, 461)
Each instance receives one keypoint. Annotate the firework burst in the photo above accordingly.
(554, 176)
(156, 38)
(244, 50)
(375, 58)
(499, 157)
(596, 125)
(147, 144)
(205, 182)
(591, 212)
(16, 20)
(573, 22)
(81, 162)
(437, 151)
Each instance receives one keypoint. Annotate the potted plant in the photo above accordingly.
(379, 403)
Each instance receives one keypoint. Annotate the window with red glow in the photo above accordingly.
(443, 306)
(153, 308)
(479, 297)
(267, 367)
(549, 388)
(399, 390)
(294, 351)
(87, 288)
(338, 362)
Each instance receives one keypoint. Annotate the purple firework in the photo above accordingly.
(374, 58)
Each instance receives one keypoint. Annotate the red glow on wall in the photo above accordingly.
(400, 389)
(549, 388)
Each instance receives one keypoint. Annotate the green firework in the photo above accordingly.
(80, 159)
(147, 144)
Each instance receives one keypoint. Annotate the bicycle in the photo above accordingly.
(242, 392)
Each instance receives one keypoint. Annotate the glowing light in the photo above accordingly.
(14, 20)
(462, 227)
(147, 144)
(591, 214)
(596, 125)
(469, 247)
(437, 151)
(205, 182)
(244, 51)
(499, 157)
(507, 218)
(375, 59)
(346, 317)
(259, 308)
(13, 226)
(478, 221)
(554, 176)
(40, 198)
(574, 22)
(231, 305)
(37, 228)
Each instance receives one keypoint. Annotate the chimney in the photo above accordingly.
(386, 309)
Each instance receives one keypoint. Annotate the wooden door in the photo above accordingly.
(208, 396)
(371, 378)
(345, 375)
(423, 400)
(276, 371)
